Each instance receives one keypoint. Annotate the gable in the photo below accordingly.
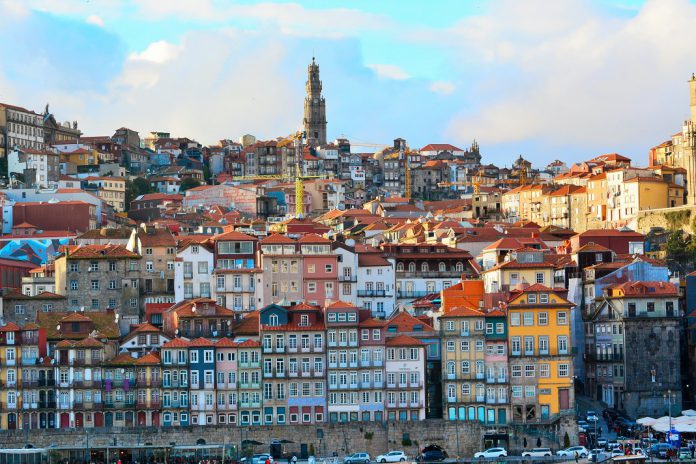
(273, 309)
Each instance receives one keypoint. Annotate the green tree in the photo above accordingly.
(189, 183)
(681, 251)
(142, 185)
(566, 441)
(136, 187)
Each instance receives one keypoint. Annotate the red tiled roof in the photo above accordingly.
(176, 343)
(75, 317)
(313, 238)
(404, 340)
(249, 343)
(440, 147)
(201, 342)
(341, 304)
(646, 288)
(10, 327)
(234, 235)
(405, 322)
(463, 312)
(150, 358)
(122, 359)
(99, 251)
(278, 239)
(226, 343)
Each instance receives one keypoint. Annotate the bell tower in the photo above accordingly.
(314, 107)
(689, 144)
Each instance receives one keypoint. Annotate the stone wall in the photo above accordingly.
(375, 438)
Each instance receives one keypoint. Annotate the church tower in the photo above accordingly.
(314, 107)
(689, 144)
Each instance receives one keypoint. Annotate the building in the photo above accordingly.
(23, 128)
(100, 278)
(22, 309)
(293, 361)
(236, 272)
(193, 269)
(541, 363)
(157, 246)
(69, 215)
(314, 107)
(111, 190)
(39, 169)
(196, 318)
(405, 369)
(635, 359)
(149, 206)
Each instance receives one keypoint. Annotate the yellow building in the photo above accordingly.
(541, 365)
(81, 157)
(597, 201)
(148, 383)
(522, 267)
(112, 190)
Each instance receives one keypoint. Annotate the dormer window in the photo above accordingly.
(304, 320)
(531, 298)
(273, 320)
(543, 298)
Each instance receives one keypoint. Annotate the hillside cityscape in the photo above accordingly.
(354, 296)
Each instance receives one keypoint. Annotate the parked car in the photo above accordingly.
(570, 452)
(591, 416)
(432, 453)
(616, 452)
(684, 453)
(259, 458)
(601, 442)
(392, 456)
(659, 450)
(357, 458)
(537, 453)
(491, 453)
(595, 454)
(611, 444)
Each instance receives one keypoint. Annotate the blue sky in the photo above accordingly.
(566, 79)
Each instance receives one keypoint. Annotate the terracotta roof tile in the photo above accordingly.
(149, 359)
(404, 340)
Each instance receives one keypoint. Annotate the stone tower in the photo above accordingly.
(314, 107)
(689, 145)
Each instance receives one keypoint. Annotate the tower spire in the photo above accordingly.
(314, 107)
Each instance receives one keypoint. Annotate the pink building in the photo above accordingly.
(320, 270)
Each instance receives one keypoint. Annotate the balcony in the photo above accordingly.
(26, 361)
(414, 404)
(347, 278)
(480, 399)
(411, 293)
(403, 385)
(365, 363)
(451, 376)
(365, 384)
(318, 373)
(292, 349)
(47, 382)
(502, 399)
(416, 384)
(377, 363)
(451, 399)
(307, 373)
(391, 385)
(480, 375)
(379, 384)
(613, 357)
(372, 294)
(353, 364)
(490, 400)
(391, 405)
(464, 333)
(280, 349)
(431, 274)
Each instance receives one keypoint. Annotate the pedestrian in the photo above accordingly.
(538, 442)
(293, 460)
(268, 460)
(577, 457)
(525, 442)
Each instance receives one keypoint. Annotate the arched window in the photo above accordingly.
(411, 267)
(273, 320)
(451, 391)
(442, 267)
(450, 367)
(465, 367)
(424, 267)
(400, 266)
(459, 266)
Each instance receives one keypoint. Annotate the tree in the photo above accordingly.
(566, 441)
(135, 188)
(189, 183)
(681, 251)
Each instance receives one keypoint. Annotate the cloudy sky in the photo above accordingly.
(566, 79)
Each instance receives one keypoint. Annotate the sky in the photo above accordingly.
(545, 79)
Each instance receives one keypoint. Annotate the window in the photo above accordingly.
(563, 370)
(514, 319)
(544, 370)
(328, 268)
(531, 298)
(95, 284)
(449, 325)
(528, 318)
(562, 318)
(543, 318)
(73, 285)
(540, 277)
(562, 345)
(516, 371)
(529, 370)
(544, 298)
(450, 345)
(464, 345)
(529, 391)
(466, 367)
(516, 346)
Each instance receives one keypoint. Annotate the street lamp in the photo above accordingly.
(668, 400)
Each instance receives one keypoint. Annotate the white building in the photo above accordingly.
(376, 283)
(193, 270)
(142, 340)
(46, 166)
(405, 372)
(23, 128)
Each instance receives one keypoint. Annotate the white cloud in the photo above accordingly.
(442, 87)
(389, 71)
(564, 74)
(95, 20)
(157, 52)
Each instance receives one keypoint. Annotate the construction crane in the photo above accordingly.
(299, 178)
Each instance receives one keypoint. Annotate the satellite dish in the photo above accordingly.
(53, 361)
(82, 309)
(215, 333)
(176, 332)
(122, 370)
(41, 360)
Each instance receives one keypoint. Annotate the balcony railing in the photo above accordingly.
(348, 278)
(372, 293)
(411, 293)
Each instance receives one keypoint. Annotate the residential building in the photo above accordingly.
(405, 372)
(37, 168)
(236, 272)
(193, 269)
(157, 247)
(293, 348)
(198, 317)
(541, 364)
(635, 360)
(23, 128)
(111, 190)
(100, 278)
